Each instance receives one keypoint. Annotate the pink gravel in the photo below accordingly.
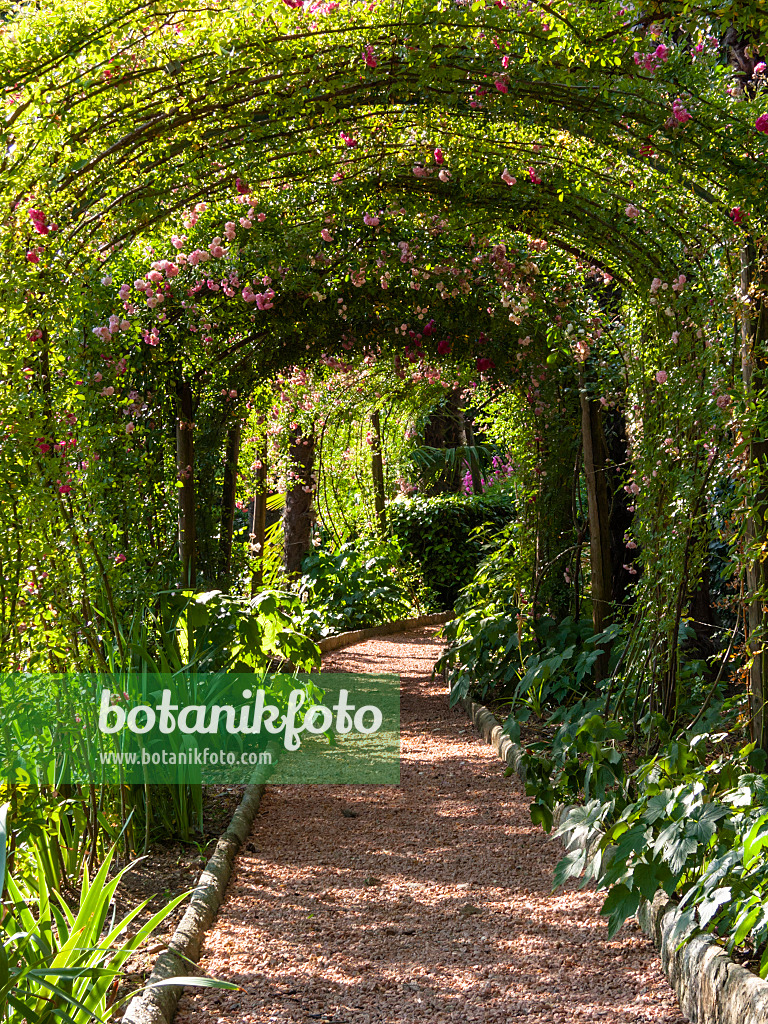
(435, 900)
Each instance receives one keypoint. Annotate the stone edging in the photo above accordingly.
(356, 636)
(709, 986)
(157, 1006)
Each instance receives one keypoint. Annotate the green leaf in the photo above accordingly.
(620, 904)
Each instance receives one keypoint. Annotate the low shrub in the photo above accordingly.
(445, 536)
(356, 586)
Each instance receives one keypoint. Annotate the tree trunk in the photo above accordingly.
(232, 459)
(442, 431)
(298, 515)
(474, 469)
(593, 443)
(185, 471)
(754, 334)
(377, 472)
(258, 534)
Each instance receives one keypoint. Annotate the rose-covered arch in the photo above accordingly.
(177, 109)
(613, 137)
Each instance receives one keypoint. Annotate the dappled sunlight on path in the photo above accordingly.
(431, 899)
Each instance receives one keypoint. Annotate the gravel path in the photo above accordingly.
(435, 899)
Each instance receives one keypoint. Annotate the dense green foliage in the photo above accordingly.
(445, 537)
(241, 237)
(354, 587)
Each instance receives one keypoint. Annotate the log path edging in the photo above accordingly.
(158, 1005)
(710, 987)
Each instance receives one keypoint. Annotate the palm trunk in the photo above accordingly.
(297, 514)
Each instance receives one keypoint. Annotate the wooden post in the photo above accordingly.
(258, 534)
(593, 445)
(185, 472)
(377, 472)
(229, 488)
(754, 364)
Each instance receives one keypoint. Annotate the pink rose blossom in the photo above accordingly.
(39, 222)
(369, 57)
(761, 124)
(119, 559)
(661, 376)
(439, 158)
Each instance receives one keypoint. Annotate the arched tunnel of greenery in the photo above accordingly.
(321, 314)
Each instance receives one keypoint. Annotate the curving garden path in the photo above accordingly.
(428, 901)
